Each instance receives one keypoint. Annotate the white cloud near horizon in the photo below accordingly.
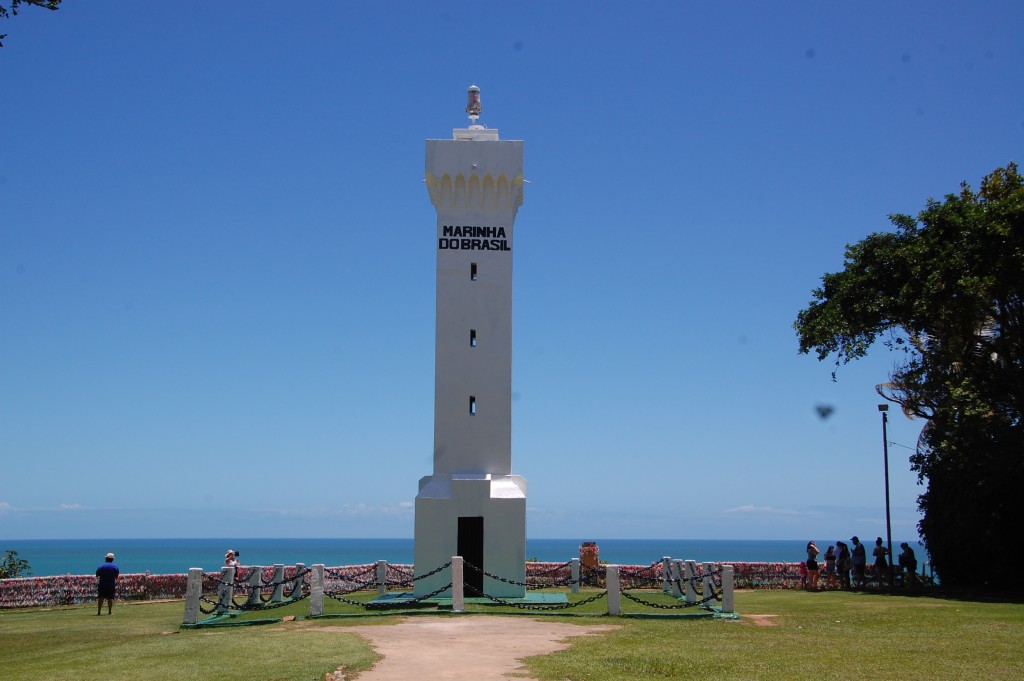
(359, 509)
(4, 506)
(764, 510)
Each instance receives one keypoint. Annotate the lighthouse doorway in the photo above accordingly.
(471, 548)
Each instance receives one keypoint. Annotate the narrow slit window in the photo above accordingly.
(472, 271)
(472, 338)
(472, 406)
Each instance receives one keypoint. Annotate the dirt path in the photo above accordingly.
(452, 648)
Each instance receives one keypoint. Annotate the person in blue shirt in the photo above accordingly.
(106, 584)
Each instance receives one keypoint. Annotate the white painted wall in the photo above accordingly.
(474, 184)
(500, 500)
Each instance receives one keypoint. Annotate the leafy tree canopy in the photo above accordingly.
(946, 289)
(12, 10)
(12, 566)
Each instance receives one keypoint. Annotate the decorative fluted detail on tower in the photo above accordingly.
(475, 192)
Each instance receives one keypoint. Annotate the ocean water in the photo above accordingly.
(170, 556)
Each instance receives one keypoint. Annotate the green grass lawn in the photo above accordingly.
(829, 635)
(819, 635)
(142, 641)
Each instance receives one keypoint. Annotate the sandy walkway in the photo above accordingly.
(478, 648)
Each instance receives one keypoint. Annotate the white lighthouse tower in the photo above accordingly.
(472, 505)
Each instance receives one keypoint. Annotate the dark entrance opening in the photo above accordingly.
(471, 548)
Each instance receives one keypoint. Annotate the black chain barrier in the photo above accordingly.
(506, 580)
(405, 577)
(634, 579)
(566, 582)
(242, 584)
(385, 605)
(588, 577)
(530, 606)
(410, 579)
(360, 586)
(593, 578)
(433, 572)
(271, 606)
(676, 606)
(333, 573)
(553, 570)
(215, 604)
(401, 571)
(638, 573)
(692, 581)
(297, 593)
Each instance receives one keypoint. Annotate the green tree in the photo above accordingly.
(945, 291)
(12, 566)
(12, 10)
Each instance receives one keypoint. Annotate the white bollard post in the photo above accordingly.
(728, 600)
(298, 581)
(226, 590)
(689, 576)
(707, 585)
(382, 576)
(278, 594)
(611, 576)
(255, 584)
(666, 573)
(316, 591)
(458, 592)
(574, 574)
(193, 592)
(677, 592)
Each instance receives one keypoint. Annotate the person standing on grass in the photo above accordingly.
(908, 562)
(812, 565)
(830, 567)
(860, 561)
(881, 563)
(106, 584)
(844, 563)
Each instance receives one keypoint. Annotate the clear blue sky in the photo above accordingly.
(217, 255)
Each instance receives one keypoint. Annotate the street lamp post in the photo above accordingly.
(885, 453)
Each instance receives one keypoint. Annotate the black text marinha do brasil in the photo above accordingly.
(472, 238)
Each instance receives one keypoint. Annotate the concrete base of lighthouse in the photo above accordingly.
(478, 514)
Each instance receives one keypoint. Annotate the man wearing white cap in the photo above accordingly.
(106, 584)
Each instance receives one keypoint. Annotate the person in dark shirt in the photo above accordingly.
(844, 564)
(881, 562)
(106, 584)
(908, 562)
(860, 561)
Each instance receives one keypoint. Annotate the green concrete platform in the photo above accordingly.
(397, 598)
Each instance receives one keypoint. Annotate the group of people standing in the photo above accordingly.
(840, 560)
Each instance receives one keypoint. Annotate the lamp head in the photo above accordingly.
(473, 107)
